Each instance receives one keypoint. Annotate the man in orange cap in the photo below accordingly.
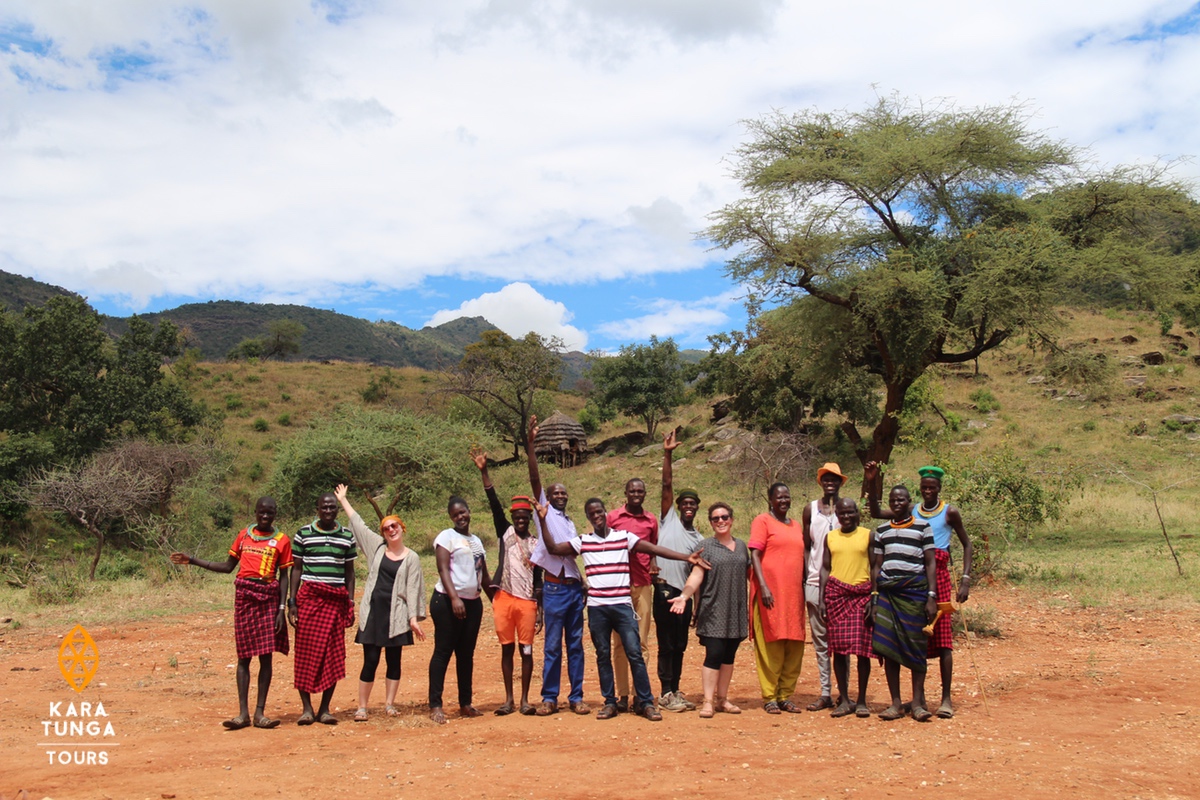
(818, 519)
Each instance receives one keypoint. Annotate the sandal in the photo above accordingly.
(862, 711)
(650, 712)
(706, 710)
(771, 707)
(327, 719)
(607, 712)
(391, 710)
(437, 715)
(921, 714)
(360, 715)
(821, 703)
(844, 710)
(306, 718)
(528, 710)
(789, 706)
(504, 710)
(725, 707)
(266, 722)
(547, 708)
(469, 712)
(892, 713)
(237, 723)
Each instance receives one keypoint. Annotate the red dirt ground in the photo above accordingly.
(1100, 702)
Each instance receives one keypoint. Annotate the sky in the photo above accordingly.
(545, 164)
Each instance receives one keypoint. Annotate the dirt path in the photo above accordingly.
(1082, 701)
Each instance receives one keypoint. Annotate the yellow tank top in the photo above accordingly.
(848, 555)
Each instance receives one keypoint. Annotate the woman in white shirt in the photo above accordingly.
(456, 608)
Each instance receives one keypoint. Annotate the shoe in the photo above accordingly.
(670, 702)
(688, 705)
(623, 705)
(650, 712)
(820, 704)
(608, 712)
(547, 708)
(581, 708)
(470, 712)
(437, 715)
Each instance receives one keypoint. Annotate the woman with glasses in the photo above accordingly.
(393, 603)
(721, 609)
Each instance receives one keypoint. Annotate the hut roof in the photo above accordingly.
(556, 430)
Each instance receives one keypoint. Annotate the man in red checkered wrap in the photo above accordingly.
(321, 607)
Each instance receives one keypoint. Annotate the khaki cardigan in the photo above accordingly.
(408, 591)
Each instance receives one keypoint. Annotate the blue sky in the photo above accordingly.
(545, 164)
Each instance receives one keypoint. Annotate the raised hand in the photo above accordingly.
(670, 442)
(479, 456)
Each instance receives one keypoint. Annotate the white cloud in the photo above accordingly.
(688, 322)
(517, 309)
(284, 148)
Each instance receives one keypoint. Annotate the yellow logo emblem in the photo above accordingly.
(78, 658)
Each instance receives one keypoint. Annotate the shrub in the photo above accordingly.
(284, 419)
(261, 425)
(233, 401)
(985, 402)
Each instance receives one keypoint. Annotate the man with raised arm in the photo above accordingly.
(634, 518)
(516, 605)
(945, 519)
(676, 532)
(562, 592)
(606, 555)
(817, 520)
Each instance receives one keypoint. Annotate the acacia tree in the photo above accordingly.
(642, 380)
(895, 238)
(503, 376)
(117, 488)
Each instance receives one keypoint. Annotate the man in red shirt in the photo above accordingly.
(263, 556)
(632, 517)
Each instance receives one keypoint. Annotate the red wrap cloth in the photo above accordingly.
(323, 612)
(942, 635)
(255, 610)
(845, 618)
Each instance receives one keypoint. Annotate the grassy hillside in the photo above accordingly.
(1117, 440)
(17, 291)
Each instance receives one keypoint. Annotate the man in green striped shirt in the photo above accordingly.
(321, 607)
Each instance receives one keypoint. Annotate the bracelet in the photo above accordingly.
(874, 594)
(282, 606)
(932, 593)
(966, 577)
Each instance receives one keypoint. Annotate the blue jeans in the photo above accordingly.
(562, 610)
(604, 621)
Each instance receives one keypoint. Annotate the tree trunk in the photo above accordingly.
(883, 438)
(99, 534)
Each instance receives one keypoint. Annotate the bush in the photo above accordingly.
(61, 584)
(233, 402)
(260, 425)
(119, 565)
(985, 402)
(284, 419)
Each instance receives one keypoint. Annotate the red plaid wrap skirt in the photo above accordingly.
(255, 609)
(942, 635)
(323, 612)
(845, 623)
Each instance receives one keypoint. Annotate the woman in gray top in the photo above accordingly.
(393, 603)
(722, 615)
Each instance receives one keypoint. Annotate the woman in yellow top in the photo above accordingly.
(846, 604)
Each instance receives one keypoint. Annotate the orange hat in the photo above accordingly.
(521, 502)
(830, 468)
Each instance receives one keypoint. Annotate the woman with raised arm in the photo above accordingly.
(722, 621)
(393, 603)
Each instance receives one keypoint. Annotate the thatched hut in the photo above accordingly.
(562, 440)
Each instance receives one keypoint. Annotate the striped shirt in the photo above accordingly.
(903, 548)
(325, 553)
(606, 564)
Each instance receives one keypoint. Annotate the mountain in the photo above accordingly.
(17, 291)
(218, 326)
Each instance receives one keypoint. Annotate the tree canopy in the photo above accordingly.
(642, 380)
(502, 376)
(66, 389)
(885, 241)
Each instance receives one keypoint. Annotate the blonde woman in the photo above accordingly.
(393, 603)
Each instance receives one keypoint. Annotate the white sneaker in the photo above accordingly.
(688, 705)
(670, 702)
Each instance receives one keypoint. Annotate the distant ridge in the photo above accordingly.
(17, 292)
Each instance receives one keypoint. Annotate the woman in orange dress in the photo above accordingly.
(777, 621)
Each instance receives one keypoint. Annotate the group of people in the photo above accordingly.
(824, 577)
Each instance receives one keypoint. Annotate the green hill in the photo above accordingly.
(17, 291)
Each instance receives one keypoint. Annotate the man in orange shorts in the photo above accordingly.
(517, 586)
